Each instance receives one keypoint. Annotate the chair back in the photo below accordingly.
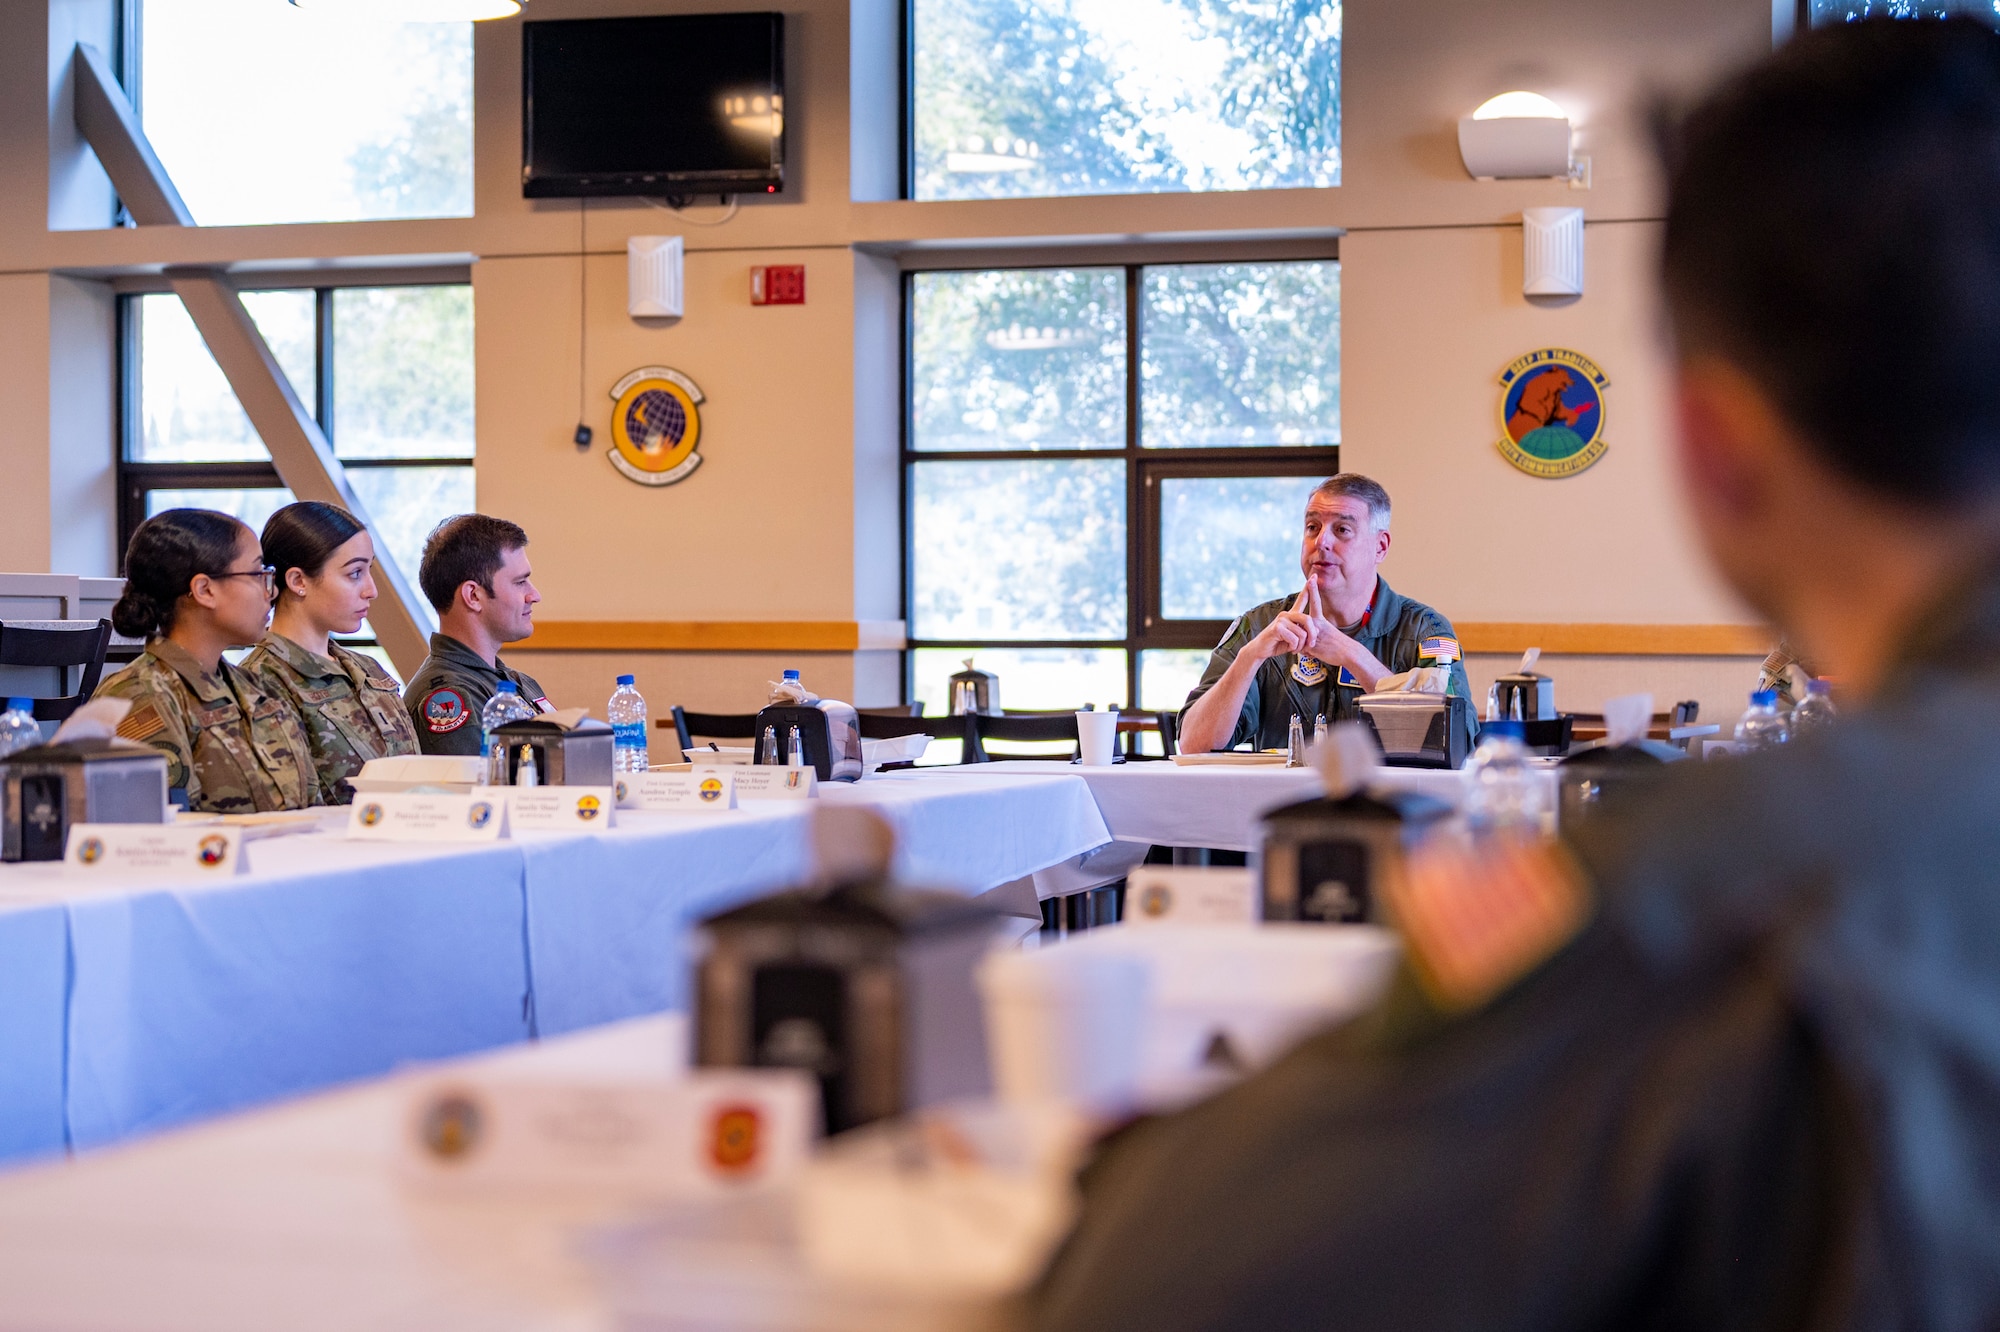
(1686, 711)
(880, 726)
(66, 646)
(716, 725)
(893, 710)
(1018, 728)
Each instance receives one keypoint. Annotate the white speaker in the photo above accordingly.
(653, 276)
(1552, 258)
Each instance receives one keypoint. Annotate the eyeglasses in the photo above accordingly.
(265, 572)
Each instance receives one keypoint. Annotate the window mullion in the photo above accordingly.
(323, 360)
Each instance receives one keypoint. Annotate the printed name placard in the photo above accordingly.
(411, 816)
(153, 850)
(759, 781)
(1191, 895)
(712, 1131)
(560, 808)
(678, 792)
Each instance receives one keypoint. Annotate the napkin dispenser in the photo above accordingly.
(974, 690)
(1324, 859)
(829, 732)
(1608, 776)
(1419, 730)
(579, 755)
(1525, 695)
(50, 788)
(868, 988)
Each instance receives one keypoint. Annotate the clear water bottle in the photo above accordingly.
(1815, 709)
(1503, 792)
(18, 728)
(505, 706)
(627, 712)
(1762, 726)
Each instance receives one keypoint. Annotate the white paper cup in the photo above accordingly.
(1097, 736)
(1065, 1024)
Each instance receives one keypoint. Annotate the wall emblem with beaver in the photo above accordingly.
(1552, 413)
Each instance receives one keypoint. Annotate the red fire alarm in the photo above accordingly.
(778, 284)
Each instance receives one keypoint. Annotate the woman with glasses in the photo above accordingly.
(196, 585)
(350, 708)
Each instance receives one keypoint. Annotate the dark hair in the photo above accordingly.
(305, 535)
(161, 560)
(1833, 218)
(1353, 485)
(467, 548)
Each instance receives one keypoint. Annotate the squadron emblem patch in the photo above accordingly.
(444, 710)
(1552, 413)
(1308, 671)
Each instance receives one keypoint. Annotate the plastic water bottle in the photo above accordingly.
(505, 706)
(627, 711)
(1762, 725)
(18, 728)
(1503, 792)
(1815, 709)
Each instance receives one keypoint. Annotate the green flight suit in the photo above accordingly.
(349, 707)
(446, 694)
(231, 745)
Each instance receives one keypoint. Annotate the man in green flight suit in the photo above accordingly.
(1726, 1055)
(1315, 653)
(475, 573)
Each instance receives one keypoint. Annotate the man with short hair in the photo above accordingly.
(1315, 653)
(1726, 1055)
(475, 573)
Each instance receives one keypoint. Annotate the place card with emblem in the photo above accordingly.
(122, 851)
(770, 782)
(422, 816)
(561, 808)
(677, 792)
(1191, 895)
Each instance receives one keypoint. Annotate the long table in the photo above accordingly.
(144, 1006)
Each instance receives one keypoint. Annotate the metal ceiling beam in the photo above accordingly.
(298, 448)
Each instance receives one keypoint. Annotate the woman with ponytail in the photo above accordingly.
(195, 586)
(349, 707)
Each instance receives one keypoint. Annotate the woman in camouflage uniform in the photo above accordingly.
(350, 708)
(195, 585)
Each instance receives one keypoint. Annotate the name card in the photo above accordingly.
(1191, 895)
(677, 792)
(560, 808)
(760, 781)
(153, 850)
(412, 816)
(711, 1132)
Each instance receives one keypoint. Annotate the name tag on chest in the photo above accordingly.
(561, 808)
(153, 851)
(677, 792)
(411, 816)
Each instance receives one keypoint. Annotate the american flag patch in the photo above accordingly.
(1444, 649)
(1475, 918)
(142, 723)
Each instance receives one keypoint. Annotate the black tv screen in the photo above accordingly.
(663, 106)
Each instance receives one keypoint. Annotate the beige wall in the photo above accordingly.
(793, 513)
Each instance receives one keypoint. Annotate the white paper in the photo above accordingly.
(698, 792)
(1191, 895)
(561, 808)
(412, 816)
(764, 781)
(153, 850)
(1626, 718)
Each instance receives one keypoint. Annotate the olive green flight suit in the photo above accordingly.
(446, 694)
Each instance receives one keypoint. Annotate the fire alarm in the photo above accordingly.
(779, 284)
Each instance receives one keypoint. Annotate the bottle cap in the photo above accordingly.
(625, 679)
(1764, 698)
(791, 675)
(508, 687)
(20, 705)
(1818, 687)
(1502, 730)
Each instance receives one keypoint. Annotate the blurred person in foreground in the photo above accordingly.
(1728, 1057)
(475, 574)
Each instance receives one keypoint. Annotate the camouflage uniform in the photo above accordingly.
(445, 696)
(351, 709)
(230, 745)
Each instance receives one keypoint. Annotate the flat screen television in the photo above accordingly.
(665, 106)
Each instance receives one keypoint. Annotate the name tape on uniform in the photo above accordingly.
(153, 850)
(412, 816)
(769, 782)
(1190, 895)
(676, 792)
(561, 808)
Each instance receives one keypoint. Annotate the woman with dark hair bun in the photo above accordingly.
(349, 707)
(195, 586)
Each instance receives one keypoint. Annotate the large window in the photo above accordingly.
(386, 370)
(264, 111)
(1819, 13)
(1105, 465)
(1015, 98)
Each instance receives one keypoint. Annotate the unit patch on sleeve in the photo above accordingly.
(444, 710)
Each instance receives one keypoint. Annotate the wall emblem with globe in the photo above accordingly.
(655, 426)
(1552, 410)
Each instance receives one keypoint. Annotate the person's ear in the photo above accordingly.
(472, 596)
(1728, 439)
(204, 591)
(1381, 545)
(296, 582)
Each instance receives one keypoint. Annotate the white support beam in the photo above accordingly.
(298, 448)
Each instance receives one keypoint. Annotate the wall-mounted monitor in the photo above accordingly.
(669, 106)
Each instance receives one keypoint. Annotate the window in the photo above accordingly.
(1087, 532)
(1820, 13)
(263, 111)
(388, 372)
(1020, 98)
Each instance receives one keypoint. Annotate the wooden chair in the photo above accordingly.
(1017, 727)
(1133, 725)
(62, 649)
(716, 725)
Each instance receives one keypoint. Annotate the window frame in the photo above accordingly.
(1145, 627)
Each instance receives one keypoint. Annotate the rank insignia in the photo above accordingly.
(1308, 670)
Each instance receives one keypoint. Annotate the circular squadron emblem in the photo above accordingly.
(655, 426)
(1552, 413)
